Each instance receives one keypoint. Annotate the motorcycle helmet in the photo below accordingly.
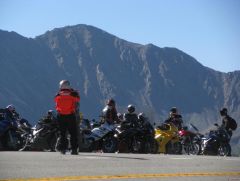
(141, 116)
(130, 108)
(11, 107)
(173, 110)
(223, 111)
(120, 116)
(64, 84)
(51, 113)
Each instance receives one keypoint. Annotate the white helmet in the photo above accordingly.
(11, 107)
(64, 84)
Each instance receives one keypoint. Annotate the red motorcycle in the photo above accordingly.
(189, 139)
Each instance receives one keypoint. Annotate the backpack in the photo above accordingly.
(232, 124)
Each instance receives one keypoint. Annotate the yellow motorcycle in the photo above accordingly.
(167, 139)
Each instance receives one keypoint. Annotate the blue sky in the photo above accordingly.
(208, 30)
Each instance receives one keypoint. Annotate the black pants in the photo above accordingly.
(68, 123)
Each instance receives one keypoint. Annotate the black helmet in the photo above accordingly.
(141, 116)
(223, 111)
(111, 102)
(50, 112)
(120, 116)
(130, 108)
(173, 110)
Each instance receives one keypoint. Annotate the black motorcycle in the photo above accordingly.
(42, 137)
(217, 142)
(147, 135)
(130, 139)
(10, 138)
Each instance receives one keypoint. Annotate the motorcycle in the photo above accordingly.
(189, 140)
(10, 139)
(130, 140)
(96, 136)
(42, 137)
(167, 139)
(216, 143)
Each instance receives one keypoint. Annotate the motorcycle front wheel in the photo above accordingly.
(110, 145)
(193, 149)
(224, 150)
(174, 148)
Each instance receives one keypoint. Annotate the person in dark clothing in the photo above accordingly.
(10, 113)
(110, 112)
(50, 118)
(226, 121)
(144, 123)
(130, 119)
(227, 124)
(175, 118)
(120, 117)
(148, 140)
(67, 101)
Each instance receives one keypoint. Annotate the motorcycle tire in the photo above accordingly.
(174, 148)
(16, 143)
(136, 145)
(155, 147)
(53, 143)
(224, 150)
(193, 149)
(110, 145)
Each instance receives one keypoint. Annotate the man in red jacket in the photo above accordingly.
(67, 102)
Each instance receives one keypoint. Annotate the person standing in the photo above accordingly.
(67, 103)
(228, 122)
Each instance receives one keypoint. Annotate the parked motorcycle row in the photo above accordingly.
(97, 136)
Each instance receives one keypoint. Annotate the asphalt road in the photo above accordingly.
(39, 166)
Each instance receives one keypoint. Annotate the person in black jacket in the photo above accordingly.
(175, 118)
(144, 123)
(10, 113)
(226, 121)
(130, 119)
